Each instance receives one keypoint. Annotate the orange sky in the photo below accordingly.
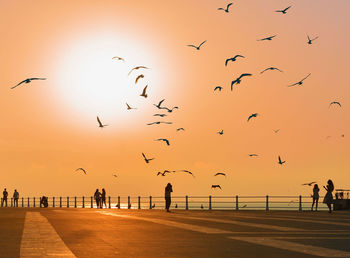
(49, 127)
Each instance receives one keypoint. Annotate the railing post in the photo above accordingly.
(28, 202)
(150, 202)
(33, 201)
(129, 204)
(22, 202)
(237, 207)
(109, 202)
(92, 202)
(300, 203)
(53, 201)
(67, 202)
(210, 202)
(139, 202)
(186, 202)
(118, 202)
(60, 201)
(75, 201)
(83, 201)
(267, 202)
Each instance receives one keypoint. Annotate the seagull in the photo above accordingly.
(27, 81)
(159, 122)
(161, 115)
(252, 115)
(198, 48)
(119, 58)
(272, 68)
(215, 186)
(267, 38)
(114, 175)
(81, 170)
(179, 129)
(99, 123)
(227, 7)
(233, 59)
(139, 77)
(146, 159)
(137, 67)
(164, 140)
(169, 109)
(221, 132)
(335, 102)
(309, 184)
(280, 161)
(238, 80)
(159, 104)
(284, 11)
(299, 82)
(253, 155)
(128, 107)
(220, 174)
(164, 172)
(218, 88)
(144, 94)
(276, 131)
(186, 171)
(309, 41)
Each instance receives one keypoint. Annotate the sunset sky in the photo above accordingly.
(49, 128)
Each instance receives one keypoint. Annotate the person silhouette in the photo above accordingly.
(103, 198)
(328, 199)
(315, 197)
(4, 197)
(15, 198)
(168, 191)
(97, 197)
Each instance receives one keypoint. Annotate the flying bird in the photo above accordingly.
(179, 129)
(186, 171)
(146, 159)
(276, 131)
(139, 77)
(225, 9)
(218, 88)
(169, 109)
(137, 67)
(299, 82)
(27, 81)
(164, 172)
(144, 94)
(81, 169)
(118, 58)
(159, 122)
(253, 155)
(271, 69)
(335, 103)
(220, 174)
(239, 79)
(284, 11)
(159, 104)
(100, 123)
(309, 40)
(309, 184)
(198, 48)
(128, 107)
(267, 38)
(252, 115)
(232, 59)
(114, 175)
(280, 161)
(215, 186)
(164, 140)
(221, 132)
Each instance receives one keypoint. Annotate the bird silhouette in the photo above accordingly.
(218, 88)
(180, 129)
(118, 58)
(252, 115)
(244, 206)
(221, 132)
(253, 155)
(225, 9)
(128, 107)
(114, 175)
(276, 131)
(284, 11)
(267, 38)
(159, 122)
(309, 184)
(139, 77)
(239, 79)
(185, 171)
(146, 159)
(176, 206)
(271, 69)
(153, 206)
(169, 109)
(81, 169)
(232, 59)
(335, 103)
(100, 123)
(215, 186)
(159, 104)
(137, 68)
(197, 47)
(299, 82)
(27, 81)
(161, 115)
(164, 140)
(309, 40)
(202, 206)
(280, 161)
(164, 172)
(144, 94)
(220, 174)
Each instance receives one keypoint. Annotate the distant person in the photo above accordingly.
(328, 199)
(44, 202)
(103, 198)
(168, 190)
(97, 197)
(4, 198)
(15, 198)
(315, 197)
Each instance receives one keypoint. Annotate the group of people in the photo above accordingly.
(328, 199)
(5, 196)
(100, 198)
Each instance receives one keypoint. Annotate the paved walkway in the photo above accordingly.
(26, 232)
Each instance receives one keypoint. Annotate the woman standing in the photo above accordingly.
(97, 197)
(103, 198)
(168, 190)
(328, 199)
(315, 197)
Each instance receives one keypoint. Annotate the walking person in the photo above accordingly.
(103, 198)
(4, 198)
(315, 197)
(97, 197)
(168, 191)
(328, 199)
(15, 198)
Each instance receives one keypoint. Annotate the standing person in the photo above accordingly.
(15, 198)
(328, 199)
(97, 197)
(315, 197)
(4, 197)
(103, 198)
(168, 191)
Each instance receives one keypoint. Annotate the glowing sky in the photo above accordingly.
(49, 127)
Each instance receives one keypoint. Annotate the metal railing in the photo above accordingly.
(178, 202)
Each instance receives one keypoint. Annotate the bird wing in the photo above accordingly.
(192, 46)
(279, 159)
(202, 43)
(167, 142)
(278, 70)
(305, 77)
(238, 56)
(265, 70)
(227, 60)
(314, 38)
(293, 84)
(245, 74)
(221, 8)
(139, 77)
(279, 11)
(131, 71)
(144, 90)
(31, 79)
(18, 84)
(228, 6)
(252, 115)
(287, 8)
(128, 106)
(99, 121)
(144, 156)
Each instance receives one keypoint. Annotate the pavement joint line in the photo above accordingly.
(40, 239)
(291, 246)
